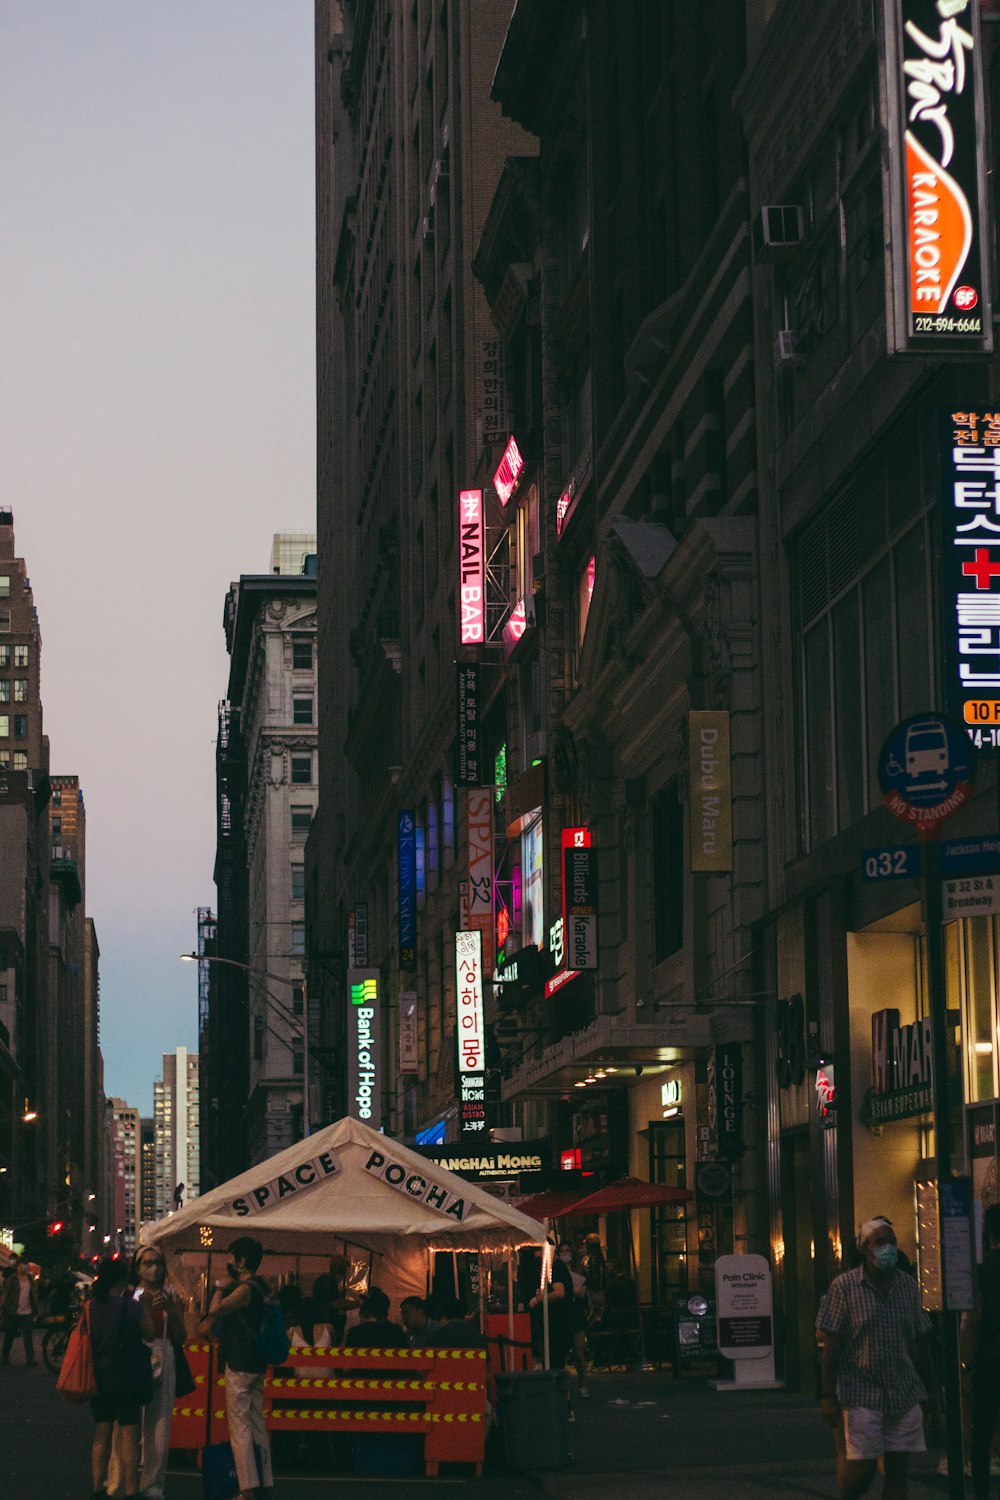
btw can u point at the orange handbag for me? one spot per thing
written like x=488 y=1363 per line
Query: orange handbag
x=77 y=1381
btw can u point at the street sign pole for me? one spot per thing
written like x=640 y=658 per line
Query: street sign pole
x=938 y=997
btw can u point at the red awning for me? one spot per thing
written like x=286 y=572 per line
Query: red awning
x=629 y=1192
x=555 y=1204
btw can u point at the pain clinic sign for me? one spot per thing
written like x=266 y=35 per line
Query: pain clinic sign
x=363 y=1081
x=937 y=177
x=471 y=1032
x=471 y=568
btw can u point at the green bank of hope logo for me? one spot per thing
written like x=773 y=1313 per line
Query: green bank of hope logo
x=365 y=992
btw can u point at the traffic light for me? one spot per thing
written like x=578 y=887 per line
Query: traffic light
x=55 y=1228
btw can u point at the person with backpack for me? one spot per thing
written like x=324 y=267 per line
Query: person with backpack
x=122 y=1368
x=238 y=1319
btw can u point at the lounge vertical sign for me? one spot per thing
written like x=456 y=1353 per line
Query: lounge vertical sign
x=711 y=791
x=937 y=177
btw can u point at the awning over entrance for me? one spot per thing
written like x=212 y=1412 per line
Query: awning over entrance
x=627 y=1192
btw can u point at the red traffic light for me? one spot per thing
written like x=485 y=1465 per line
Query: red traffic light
x=56 y=1227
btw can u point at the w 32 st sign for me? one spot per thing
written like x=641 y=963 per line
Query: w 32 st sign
x=797 y=1042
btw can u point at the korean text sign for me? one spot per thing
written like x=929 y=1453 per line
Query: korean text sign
x=970 y=560
x=471 y=1032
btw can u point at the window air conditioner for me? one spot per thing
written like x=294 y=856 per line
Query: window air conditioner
x=777 y=230
x=427 y=227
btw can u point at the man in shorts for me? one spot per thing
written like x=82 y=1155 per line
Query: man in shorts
x=877 y=1377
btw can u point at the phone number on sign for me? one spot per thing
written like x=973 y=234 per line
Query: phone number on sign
x=942 y=324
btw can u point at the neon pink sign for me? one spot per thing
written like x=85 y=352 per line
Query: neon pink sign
x=509 y=472
x=472 y=560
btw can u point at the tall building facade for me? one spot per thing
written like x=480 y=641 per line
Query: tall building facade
x=177 y=1131
x=50 y=1110
x=631 y=460
x=409 y=151
x=267 y=770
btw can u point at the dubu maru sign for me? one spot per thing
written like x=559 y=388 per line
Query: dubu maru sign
x=940 y=298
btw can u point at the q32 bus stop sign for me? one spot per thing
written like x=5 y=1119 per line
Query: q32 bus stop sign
x=926 y=770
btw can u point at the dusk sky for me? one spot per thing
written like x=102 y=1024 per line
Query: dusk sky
x=156 y=424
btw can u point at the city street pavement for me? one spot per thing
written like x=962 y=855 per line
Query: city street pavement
x=637 y=1437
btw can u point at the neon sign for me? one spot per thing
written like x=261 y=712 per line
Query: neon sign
x=472 y=567
x=363 y=1045
x=508 y=472
x=471 y=1032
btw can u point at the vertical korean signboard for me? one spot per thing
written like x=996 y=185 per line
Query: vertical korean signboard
x=408 y=1037
x=472 y=568
x=364 y=1086
x=471 y=1033
x=468 y=768
x=479 y=915
x=970 y=560
x=407 y=860
x=933 y=71
x=579 y=898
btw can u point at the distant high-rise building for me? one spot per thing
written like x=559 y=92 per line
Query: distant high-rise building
x=127 y=1169
x=147 y=1166
x=177 y=1131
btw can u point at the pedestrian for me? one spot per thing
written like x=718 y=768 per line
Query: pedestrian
x=877 y=1379
x=235 y=1316
x=983 y=1335
x=118 y=1327
x=416 y=1320
x=560 y=1305
x=18 y=1311
x=373 y=1329
x=150 y=1285
x=454 y=1330
x=578 y=1319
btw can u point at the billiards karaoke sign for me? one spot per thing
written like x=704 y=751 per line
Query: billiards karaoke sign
x=937 y=177
x=926 y=770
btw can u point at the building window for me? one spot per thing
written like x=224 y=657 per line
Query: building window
x=3 y=992
x=302 y=771
x=298 y=882
x=258 y=1038
x=4 y=587
x=20 y=761
x=20 y=726
x=865 y=655
x=5 y=621
x=20 y=655
x=298 y=1000
x=667 y=832
x=4 y=758
x=4 y=690
x=301 y=818
x=5 y=655
x=56 y=830
x=298 y=939
x=4 y=726
x=20 y=690
x=298 y=1060
x=302 y=655
x=302 y=710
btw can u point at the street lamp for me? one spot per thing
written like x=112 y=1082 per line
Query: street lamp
x=234 y=963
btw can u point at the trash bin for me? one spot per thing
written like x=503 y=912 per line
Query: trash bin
x=534 y=1418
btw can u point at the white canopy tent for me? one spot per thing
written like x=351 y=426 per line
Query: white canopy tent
x=345 y=1190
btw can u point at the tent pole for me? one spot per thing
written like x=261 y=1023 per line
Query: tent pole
x=635 y=1282
x=510 y=1311
x=454 y=1273
x=545 y=1320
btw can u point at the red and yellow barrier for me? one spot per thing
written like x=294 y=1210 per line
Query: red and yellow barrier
x=437 y=1393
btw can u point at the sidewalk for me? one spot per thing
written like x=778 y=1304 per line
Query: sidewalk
x=636 y=1437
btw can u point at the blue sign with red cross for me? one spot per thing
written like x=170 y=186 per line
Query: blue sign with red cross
x=926 y=770
x=970 y=565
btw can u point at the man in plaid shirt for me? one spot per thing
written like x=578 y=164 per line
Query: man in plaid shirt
x=877 y=1376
